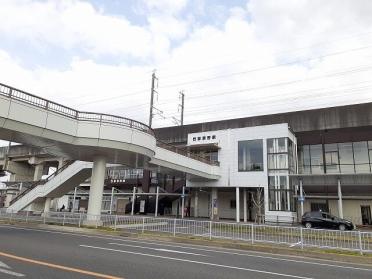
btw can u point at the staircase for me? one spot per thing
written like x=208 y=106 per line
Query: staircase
x=71 y=175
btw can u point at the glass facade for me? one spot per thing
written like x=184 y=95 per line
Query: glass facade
x=346 y=157
x=281 y=160
x=250 y=155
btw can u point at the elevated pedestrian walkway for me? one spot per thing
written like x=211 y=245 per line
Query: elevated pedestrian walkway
x=83 y=137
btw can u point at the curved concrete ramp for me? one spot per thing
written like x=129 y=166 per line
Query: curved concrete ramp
x=62 y=131
x=84 y=136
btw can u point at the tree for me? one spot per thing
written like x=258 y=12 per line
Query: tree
x=258 y=201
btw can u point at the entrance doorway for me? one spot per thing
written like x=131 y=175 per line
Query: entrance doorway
x=366 y=214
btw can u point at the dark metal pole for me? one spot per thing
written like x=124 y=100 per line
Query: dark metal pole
x=152 y=98
x=182 y=106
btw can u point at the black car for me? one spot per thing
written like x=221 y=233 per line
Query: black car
x=319 y=219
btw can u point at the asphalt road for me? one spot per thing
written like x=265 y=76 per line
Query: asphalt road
x=38 y=253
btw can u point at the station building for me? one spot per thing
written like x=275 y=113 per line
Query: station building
x=299 y=161
x=272 y=168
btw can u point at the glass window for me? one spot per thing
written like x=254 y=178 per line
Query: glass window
x=250 y=155
x=281 y=145
x=203 y=137
x=346 y=157
x=316 y=159
x=213 y=137
x=193 y=139
x=208 y=137
x=346 y=153
x=330 y=147
x=360 y=152
x=282 y=162
x=271 y=161
x=305 y=155
x=361 y=157
x=270 y=146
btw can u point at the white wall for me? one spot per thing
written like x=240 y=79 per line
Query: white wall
x=228 y=140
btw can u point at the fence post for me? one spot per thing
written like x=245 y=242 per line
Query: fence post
x=44 y=218
x=27 y=212
x=174 y=227
x=11 y=215
x=210 y=230
x=360 y=242
x=116 y=222
x=64 y=216
x=252 y=233
x=302 y=238
x=143 y=224
x=79 y=219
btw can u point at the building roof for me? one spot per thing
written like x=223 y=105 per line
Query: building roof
x=322 y=119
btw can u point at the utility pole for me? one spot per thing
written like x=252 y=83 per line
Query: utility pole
x=153 y=92
x=181 y=108
x=152 y=97
x=182 y=105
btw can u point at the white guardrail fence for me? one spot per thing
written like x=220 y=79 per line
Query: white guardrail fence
x=253 y=233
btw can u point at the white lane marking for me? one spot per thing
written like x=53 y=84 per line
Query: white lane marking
x=4 y=265
x=9 y=272
x=195 y=247
x=158 y=249
x=253 y=256
x=197 y=262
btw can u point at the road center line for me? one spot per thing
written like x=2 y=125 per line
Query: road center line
x=157 y=249
x=197 y=262
x=56 y=266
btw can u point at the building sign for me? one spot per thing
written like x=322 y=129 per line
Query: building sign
x=142 y=206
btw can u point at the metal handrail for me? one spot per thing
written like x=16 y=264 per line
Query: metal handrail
x=41 y=181
x=19 y=95
x=31 y=99
x=183 y=151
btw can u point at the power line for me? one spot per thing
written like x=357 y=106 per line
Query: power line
x=275 y=53
x=264 y=68
x=312 y=93
x=352 y=70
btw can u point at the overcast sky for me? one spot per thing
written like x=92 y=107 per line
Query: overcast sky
x=232 y=58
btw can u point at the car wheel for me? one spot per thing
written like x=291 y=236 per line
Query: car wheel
x=341 y=227
x=308 y=225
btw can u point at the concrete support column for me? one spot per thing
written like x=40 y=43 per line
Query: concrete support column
x=96 y=187
x=133 y=200
x=60 y=162
x=301 y=198
x=340 y=206
x=237 y=204
x=38 y=173
x=214 y=204
x=47 y=205
x=157 y=201
x=245 y=205
x=196 y=203
x=73 y=201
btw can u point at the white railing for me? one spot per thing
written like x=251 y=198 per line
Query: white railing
x=253 y=233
